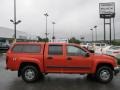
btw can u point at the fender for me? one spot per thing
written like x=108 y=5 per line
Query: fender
x=32 y=60
x=99 y=61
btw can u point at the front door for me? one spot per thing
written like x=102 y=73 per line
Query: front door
x=76 y=61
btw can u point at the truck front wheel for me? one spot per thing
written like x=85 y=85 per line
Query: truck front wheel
x=104 y=74
x=30 y=74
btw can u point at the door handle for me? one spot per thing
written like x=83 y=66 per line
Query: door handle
x=69 y=58
x=50 y=58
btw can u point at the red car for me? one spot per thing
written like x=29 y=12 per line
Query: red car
x=33 y=60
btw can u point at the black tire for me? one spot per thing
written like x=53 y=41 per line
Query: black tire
x=30 y=74
x=41 y=76
x=104 y=74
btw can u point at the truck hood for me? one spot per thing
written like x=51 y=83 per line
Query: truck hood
x=103 y=57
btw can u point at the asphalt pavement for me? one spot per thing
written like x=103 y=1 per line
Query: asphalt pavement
x=10 y=81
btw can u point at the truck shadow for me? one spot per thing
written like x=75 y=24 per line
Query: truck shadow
x=62 y=82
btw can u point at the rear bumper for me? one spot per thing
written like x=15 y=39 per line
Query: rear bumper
x=116 y=70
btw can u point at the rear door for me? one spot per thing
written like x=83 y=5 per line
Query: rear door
x=53 y=58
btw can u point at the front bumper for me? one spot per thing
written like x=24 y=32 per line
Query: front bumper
x=116 y=70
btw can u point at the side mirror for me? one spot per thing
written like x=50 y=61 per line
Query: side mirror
x=87 y=55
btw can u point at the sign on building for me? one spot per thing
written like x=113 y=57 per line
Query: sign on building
x=107 y=10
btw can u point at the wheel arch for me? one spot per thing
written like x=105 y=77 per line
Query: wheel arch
x=104 y=64
x=23 y=64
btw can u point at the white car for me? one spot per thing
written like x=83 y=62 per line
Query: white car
x=114 y=51
x=98 y=47
x=104 y=49
x=86 y=45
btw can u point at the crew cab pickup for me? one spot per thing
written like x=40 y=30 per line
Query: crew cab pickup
x=33 y=60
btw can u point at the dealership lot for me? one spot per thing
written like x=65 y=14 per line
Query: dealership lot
x=10 y=81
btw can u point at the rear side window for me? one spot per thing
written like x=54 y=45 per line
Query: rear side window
x=26 y=49
x=17 y=48
x=55 y=50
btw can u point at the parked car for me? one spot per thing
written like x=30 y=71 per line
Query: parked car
x=4 y=47
x=98 y=47
x=86 y=45
x=32 y=60
x=114 y=51
x=104 y=49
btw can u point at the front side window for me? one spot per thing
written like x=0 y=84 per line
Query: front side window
x=75 y=51
x=26 y=48
x=55 y=50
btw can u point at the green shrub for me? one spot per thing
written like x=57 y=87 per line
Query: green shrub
x=116 y=43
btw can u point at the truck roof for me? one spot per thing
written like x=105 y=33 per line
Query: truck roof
x=29 y=43
x=63 y=43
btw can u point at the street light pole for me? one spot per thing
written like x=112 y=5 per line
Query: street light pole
x=96 y=32
x=15 y=22
x=46 y=33
x=15 y=19
x=92 y=34
x=114 y=27
x=53 y=38
x=110 y=32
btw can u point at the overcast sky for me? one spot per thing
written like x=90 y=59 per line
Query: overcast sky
x=72 y=17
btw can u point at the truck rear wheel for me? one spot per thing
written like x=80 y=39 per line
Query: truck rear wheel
x=30 y=74
x=104 y=74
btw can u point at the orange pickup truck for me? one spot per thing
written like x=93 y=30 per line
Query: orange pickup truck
x=33 y=60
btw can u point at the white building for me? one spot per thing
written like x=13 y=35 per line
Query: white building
x=61 y=40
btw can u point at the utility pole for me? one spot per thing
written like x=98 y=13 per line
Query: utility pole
x=53 y=37
x=15 y=17
x=110 y=31
x=92 y=34
x=114 y=27
x=104 y=32
x=46 y=33
x=96 y=32
x=15 y=22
